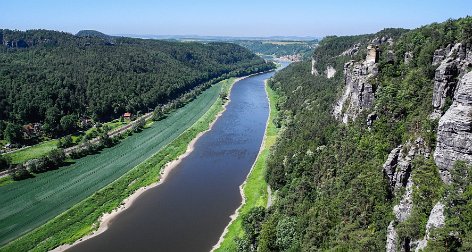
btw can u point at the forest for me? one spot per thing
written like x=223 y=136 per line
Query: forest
x=279 y=48
x=331 y=191
x=57 y=79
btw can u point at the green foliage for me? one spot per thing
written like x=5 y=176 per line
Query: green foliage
x=5 y=162
x=456 y=235
x=427 y=191
x=55 y=74
x=252 y=225
x=13 y=133
x=35 y=151
x=279 y=48
x=65 y=142
x=329 y=175
x=69 y=123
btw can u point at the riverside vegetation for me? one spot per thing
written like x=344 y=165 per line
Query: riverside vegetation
x=333 y=192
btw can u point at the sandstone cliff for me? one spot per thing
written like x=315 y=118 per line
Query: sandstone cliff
x=358 y=93
x=454 y=137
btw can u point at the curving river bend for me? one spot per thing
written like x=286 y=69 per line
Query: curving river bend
x=190 y=210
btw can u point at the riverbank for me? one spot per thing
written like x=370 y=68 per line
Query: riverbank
x=81 y=219
x=210 y=117
x=254 y=190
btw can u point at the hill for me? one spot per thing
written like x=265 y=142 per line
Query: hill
x=375 y=150
x=94 y=34
x=46 y=76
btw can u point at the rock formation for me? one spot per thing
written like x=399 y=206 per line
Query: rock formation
x=351 y=51
x=397 y=169
x=454 y=136
x=453 y=63
x=436 y=219
x=314 y=72
x=408 y=57
x=358 y=91
x=330 y=72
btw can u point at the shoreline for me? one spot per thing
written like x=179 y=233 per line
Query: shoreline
x=107 y=218
x=235 y=215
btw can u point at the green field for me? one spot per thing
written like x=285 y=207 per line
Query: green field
x=35 y=151
x=30 y=203
x=255 y=187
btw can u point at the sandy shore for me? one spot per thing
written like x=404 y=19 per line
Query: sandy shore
x=107 y=218
x=241 y=187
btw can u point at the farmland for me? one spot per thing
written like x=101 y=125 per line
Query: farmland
x=28 y=204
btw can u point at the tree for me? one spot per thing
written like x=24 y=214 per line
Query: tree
x=252 y=224
x=69 y=123
x=56 y=158
x=65 y=142
x=5 y=162
x=52 y=120
x=158 y=113
x=20 y=173
x=13 y=133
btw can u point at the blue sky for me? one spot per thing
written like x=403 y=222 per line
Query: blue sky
x=228 y=17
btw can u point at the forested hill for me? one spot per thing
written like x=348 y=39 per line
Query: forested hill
x=375 y=151
x=46 y=75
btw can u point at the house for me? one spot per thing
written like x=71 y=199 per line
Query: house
x=127 y=115
x=32 y=129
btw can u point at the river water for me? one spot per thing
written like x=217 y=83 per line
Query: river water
x=190 y=210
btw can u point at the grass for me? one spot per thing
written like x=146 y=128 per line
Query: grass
x=255 y=187
x=6 y=180
x=30 y=203
x=35 y=151
x=227 y=84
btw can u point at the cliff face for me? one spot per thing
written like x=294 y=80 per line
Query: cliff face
x=453 y=62
x=358 y=90
x=398 y=170
x=359 y=80
x=454 y=137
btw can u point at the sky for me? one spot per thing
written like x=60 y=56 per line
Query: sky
x=228 y=17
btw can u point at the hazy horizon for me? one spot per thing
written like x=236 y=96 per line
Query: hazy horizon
x=228 y=19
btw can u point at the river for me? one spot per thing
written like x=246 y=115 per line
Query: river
x=190 y=210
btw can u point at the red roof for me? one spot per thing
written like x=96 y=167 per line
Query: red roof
x=127 y=114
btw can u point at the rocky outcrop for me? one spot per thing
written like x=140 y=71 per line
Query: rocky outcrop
x=397 y=169
x=408 y=57
x=454 y=136
x=16 y=43
x=314 y=72
x=372 y=54
x=352 y=51
x=453 y=63
x=358 y=92
x=392 y=237
x=330 y=72
x=436 y=220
